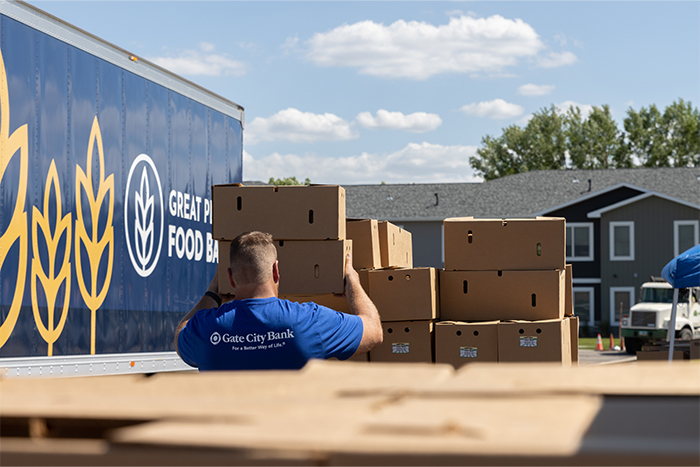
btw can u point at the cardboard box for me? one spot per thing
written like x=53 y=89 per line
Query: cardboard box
x=535 y=341
x=405 y=341
x=364 y=280
x=287 y=212
x=312 y=267
x=501 y=295
x=336 y=302
x=459 y=343
x=569 y=292
x=405 y=294
x=364 y=234
x=647 y=355
x=333 y=301
x=222 y=267
x=360 y=357
x=574 y=327
x=396 y=246
x=306 y=267
x=473 y=244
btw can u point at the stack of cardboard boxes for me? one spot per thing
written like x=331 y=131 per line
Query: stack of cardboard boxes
x=306 y=223
x=406 y=298
x=382 y=252
x=505 y=293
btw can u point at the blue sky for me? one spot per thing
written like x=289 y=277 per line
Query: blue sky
x=403 y=92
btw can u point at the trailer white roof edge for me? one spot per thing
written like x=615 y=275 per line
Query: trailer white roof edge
x=66 y=366
x=83 y=40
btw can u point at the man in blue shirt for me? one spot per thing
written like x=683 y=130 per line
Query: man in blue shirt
x=258 y=331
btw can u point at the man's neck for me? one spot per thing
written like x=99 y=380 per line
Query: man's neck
x=256 y=291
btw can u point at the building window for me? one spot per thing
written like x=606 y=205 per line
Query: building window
x=583 y=305
x=579 y=241
x=622 y=241
x=685 y=236
x=621 y=299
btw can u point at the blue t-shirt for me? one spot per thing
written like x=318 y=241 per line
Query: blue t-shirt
x=267 y=333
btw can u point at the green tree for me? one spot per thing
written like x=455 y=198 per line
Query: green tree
x=646 y=136
x=682 y=127
x=546 y=141
x=287 y=181
x=596 y=142
x=671 y=139
x=538 y=146
x=501 y=156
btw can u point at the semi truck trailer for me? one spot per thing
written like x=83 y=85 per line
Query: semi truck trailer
x=106 y=164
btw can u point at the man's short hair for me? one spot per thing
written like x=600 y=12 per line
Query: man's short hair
x=251 y=257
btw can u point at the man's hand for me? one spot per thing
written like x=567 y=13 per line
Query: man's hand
x=351 y=276
x=214 y=287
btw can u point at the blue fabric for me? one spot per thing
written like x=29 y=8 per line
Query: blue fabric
x=683 y=270
x=267 y=333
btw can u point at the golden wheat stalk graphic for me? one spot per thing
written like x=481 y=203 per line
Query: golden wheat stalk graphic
x=95 y=245
x=51 y=283
x=10 y=145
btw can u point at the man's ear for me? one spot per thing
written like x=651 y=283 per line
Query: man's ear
x=276 y=272
x=230 y=278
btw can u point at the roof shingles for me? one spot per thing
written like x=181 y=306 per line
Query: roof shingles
x=517 y=195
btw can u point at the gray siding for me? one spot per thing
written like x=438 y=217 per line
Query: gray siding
x=653 y=244
x=427 y=243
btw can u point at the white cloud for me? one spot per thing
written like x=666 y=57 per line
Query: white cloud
x=560 y=39
x=415 y=163
x=535 y=89
x=419 y=50
x=557 y=59
x=496 y=109
x=297 y=126
x=290 y=44
x=201 y=62
x=207 y=46
x=586 y=109
x=418 y=122
x=461 y=13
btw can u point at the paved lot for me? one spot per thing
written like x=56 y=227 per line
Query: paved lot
x=605 y=357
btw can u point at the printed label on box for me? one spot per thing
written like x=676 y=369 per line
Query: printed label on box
x=467 y=352
x=527 y=341
x=399 y=347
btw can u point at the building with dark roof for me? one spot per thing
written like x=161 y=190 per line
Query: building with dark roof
x=623 y=225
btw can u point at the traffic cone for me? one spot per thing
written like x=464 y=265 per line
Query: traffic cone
x=612 y=342
x=599 y=345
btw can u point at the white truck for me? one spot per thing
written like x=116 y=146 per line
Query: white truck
x=648 y=320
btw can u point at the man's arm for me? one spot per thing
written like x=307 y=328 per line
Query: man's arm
x=361 y=305
x=204 y=303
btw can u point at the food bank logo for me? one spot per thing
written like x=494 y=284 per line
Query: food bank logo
x=143 y=199
x=215 y=338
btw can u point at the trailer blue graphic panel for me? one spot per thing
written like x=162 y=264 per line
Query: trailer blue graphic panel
x=105 y=203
